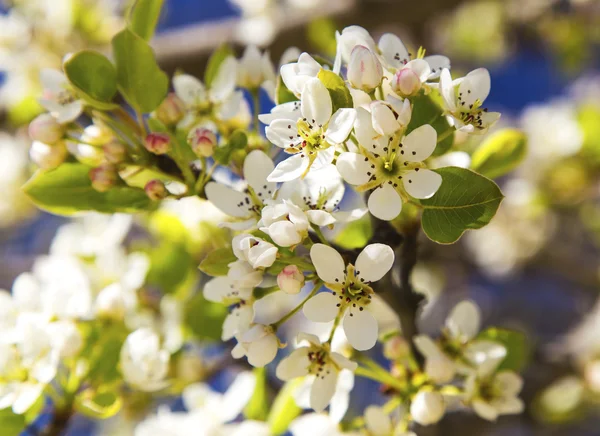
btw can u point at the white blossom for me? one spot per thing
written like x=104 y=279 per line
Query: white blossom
x=364 y=69
x=259 y=344
x=495 y=394
x=427 y=407
x=255 y=70
x=58 y=97
x=257 y=252
x=285 y=223
x=144 y=363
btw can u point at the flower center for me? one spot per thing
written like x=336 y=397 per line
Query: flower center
x=355 y=293
x=313 y=137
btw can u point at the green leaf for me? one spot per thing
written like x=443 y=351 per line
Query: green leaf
x=143 y=84
x=68 y=189
x=340 y=95
x=321 y=34
x=517 y=347
x=237 y=141
x=204 y=318
x=156 y=126
x=284 y=409
x=427 y=111
x=355 y=234
x=98 y=405
x=94 y=77
x=104 y=352
x=500 y=153
x=216 y=262
x=144 y=16
x=170 y=265
x=466 y=200
x=214 y=63
x=282 y=93
x=258 y=406
x=11 y=423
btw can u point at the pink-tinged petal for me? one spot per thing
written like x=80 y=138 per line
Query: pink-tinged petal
x=321 y=308
x=385 y=203
x=329 y=264
x=354 y=168
x=475 y=86
x=323 y=388
x=290 y=169
x=340 y=126
x=228 y=200
x=420 y=67
x=361 y=329
x=419 y=144
x=374 y=262
x=316 y=104
x=421 y=184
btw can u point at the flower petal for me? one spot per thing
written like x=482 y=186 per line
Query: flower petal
x=323 y=388
x=343 y=361
x=374 y=262
x=283 y=133
x=285 y=111
x=354 y=168
x=475 y=86
x=509 y=383
x=378 y=422
x=422 y=183
x=393 y=50
x=321 y=308
x=237 y=396
x=419 y=144
x=437 y=63
x=295 y=365
x=329 y=264
x=224 y=82
x=216 y=289
x=316 y=104
x=340 y=125
x=464 y=321
x=385 y=203
x=263 y=351
x=284 y=233
x=420 y=67
x=290 y=169
x=228 y=200
x=189 y=89
x=361 y=329
x=384 y=120
x=321 y=218
x=484 y=410
x=257 y=167
x=447 y=90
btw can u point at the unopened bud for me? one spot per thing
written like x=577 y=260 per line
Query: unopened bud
x=171 y=110
x=290 y=280
x=104 y=177
x=115 y=152
x=156 y=190
x=47 y=156
x=427 y=407
x=157 y=143
x=395 y=348
x=203 y=141
x=364 y=69
x=406 y=82
x=46 y=129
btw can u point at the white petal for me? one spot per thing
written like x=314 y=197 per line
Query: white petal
x=329 y=264
x=437 y=63
x=422 y=183
x=321 y=308
x=257 y=167
x=384 y=120
x=224 y=82
x=419 y=144
x=464 y=321
x=53 y=80
x=343 y=361
x=354 y=168
x=509 y=383
x=215 y=290
x=484 y=410
x=486 y=356
x=385 y=203
x=378 y=422
x=295 y=365
x=447 y=90
x=323 y=388
x=263 y=351
x=285 y=111
x=283 y=133
x=228 y=200
x=393 y=50
x=374 y=262
x=27 y=395
x=320 y=217
x=338 y=406
x=340 y=125
x=360 y=329
x=475 y=86
x=237 y=395
x=508 y=405
x=420 y=67
x=189 y=89
x=284 y=233
x=310 y=338
x=364 y=128
x=69 y=112
x=290 y=169
x=316 y=102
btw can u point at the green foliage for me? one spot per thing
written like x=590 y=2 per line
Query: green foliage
x=500 y=153
x=340 y=95
x=214 y=63
x=517 y=347
x=237 y=141
x=258 y=406
x=143 y=84
x=216 y=262
x=284 y=409
x=466 y=200
x=321 y=34
x=282 y=93
x=100 y=404
x=171 y=264
x=11 y=423
x=427 y=111
x=204 y=318
x=67 y=190
x=143 y=17
x=94 y=77
x=355 y=234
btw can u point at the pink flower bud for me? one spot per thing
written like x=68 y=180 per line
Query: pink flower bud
x=406 y=82
x=46 y=129
x=156 y=190
x=364 y=69
x=115 y=152
x=104 y=177
x=203 y=141
x=290 y=280
x=47 y=156
x=171 y=110
x=157 y=143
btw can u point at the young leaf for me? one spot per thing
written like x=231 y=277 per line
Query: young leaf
x=143 y=84
x=258 y=406
x=282 y=93
x=171 y=264
x=465 y=201
x=427 y=111
x=500 y=153
x=68 y=189
x=216 y=262
x=11 y=423
x=204 y=319
x=340 y=95
x=143 y=17
x=284 y=409
x=93 y=76
x=214 y=63
x=355 y=234
x=517 y=347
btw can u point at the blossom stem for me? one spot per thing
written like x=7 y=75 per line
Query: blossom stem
x=319 y=234
x=295 y=310
x=333 y=327
x=387 y=379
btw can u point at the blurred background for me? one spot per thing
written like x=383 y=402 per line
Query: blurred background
x=535 y=268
